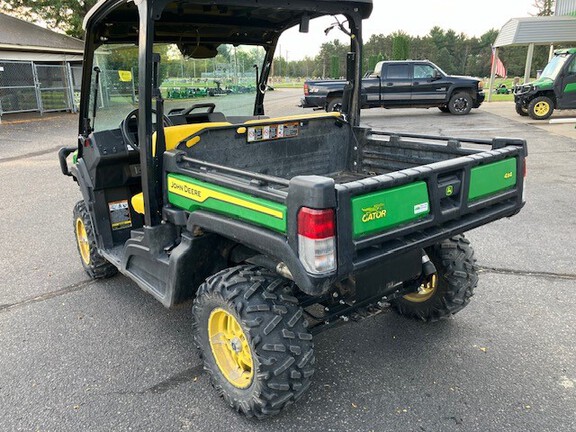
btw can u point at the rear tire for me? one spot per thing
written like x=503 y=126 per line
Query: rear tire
x=94 y=264
x=541 y=108
x=460 y=103
x=276 y=353
x=456 y=279
x=334 y=105
x=520 y=110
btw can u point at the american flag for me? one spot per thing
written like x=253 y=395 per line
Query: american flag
x=500 y=70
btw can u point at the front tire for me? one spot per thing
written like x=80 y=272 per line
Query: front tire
x=449 y=290
x=520 y=110
x=253 y=340
x=94 y=264
x=460 y=103
x=541 y=108
x=444 y=109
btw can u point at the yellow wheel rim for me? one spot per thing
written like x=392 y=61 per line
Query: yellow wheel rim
x=542 y=108
x=230 y=348
x=83 y=242
x=425 y=291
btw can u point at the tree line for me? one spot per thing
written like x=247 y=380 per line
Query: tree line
x=454 y=53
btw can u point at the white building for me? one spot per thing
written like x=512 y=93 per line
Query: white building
x=39 y=68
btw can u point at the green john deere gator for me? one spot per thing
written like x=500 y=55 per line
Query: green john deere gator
x=554 y=89
x=277 y=226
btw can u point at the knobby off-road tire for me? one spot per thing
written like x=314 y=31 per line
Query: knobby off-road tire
x=94 y=264
x=269 y=324
x=541 y=108
x=460 y=103
x=456 y=279
x=520 y=110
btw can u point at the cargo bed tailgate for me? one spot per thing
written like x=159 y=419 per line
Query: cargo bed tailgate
x=417 y=207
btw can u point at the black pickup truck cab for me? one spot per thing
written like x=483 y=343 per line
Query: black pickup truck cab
x=402 y=84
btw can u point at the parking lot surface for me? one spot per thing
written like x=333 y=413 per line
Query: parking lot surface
x=90 y=355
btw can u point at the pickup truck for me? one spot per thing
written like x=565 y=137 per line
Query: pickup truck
x=401 y=84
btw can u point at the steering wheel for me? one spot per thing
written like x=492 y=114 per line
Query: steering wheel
x=130 y=134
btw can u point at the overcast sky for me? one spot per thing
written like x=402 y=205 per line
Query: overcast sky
x=415 y=17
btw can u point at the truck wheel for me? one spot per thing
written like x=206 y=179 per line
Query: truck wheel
x=541 y=108
x=449 y=290
x=520 y=110
x=460 y=103
x=334 y=105
x=444 y=109
x=94 y=264
x=253 y=340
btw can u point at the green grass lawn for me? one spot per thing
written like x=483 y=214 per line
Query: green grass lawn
x=501 y=98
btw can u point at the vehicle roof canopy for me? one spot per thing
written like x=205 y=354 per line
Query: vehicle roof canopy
x=209 y=23
x=565 y=51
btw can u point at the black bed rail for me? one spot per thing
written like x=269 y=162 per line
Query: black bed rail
x=433 y=137
x=257 y=184
x=248 y=174
x=456 y=142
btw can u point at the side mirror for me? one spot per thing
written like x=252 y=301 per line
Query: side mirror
x=437 y=75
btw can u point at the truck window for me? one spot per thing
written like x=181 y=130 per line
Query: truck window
x=424 y=72
x=400 y=71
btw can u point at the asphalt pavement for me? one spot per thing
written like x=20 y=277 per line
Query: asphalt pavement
x=77 y=354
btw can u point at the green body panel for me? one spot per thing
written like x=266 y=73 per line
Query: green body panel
x=570 y=88
x=191 y=194
x=492 y=178
x=385 y=209
x=543 y=84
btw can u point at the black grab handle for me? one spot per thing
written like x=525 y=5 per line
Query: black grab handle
x=63 y=153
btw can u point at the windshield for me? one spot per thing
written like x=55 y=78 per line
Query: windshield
x=228 y=80
x=553 y=68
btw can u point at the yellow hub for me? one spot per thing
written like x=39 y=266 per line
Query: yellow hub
x=230 y=348
x=541 y=108
x=425 y=291
x=83 y=242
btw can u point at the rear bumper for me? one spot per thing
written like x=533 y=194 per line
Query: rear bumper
x=312 y=102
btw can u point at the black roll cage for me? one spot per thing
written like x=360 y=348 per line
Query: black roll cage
x=147 y=21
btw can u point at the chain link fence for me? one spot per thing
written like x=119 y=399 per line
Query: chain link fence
x=54 y=87
x=18 y=90
x=26 y=86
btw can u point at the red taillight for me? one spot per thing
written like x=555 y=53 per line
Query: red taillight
x=316 y=224
x=317 y=240
x=306 y=90
x=525 y=168
x=524 y=182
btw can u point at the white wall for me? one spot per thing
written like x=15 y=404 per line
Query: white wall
x=565 y=7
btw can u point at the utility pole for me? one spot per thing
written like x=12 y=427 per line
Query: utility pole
x=280 y=62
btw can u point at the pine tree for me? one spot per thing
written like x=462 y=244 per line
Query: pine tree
x=545 y=7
